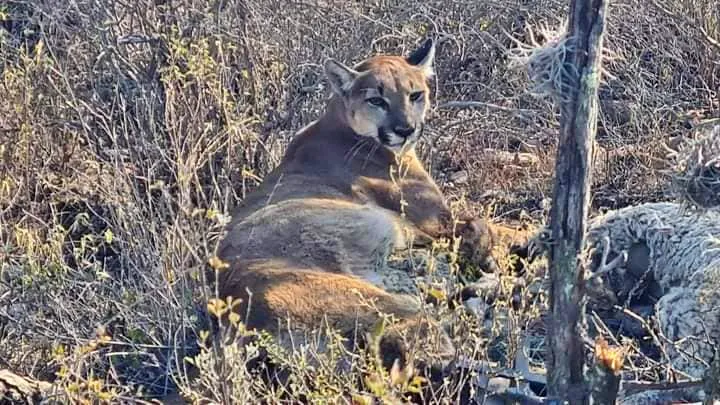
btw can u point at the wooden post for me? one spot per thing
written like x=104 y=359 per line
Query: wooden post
x=578 y=122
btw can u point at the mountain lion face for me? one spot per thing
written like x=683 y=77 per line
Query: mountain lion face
x=385 y=98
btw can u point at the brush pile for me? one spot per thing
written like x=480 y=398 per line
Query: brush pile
x=696 y=176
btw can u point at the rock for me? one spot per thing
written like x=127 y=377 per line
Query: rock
x=460 y=177
x=520 y=159
x=20 y=389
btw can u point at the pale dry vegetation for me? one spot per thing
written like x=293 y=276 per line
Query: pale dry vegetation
x=129 y=129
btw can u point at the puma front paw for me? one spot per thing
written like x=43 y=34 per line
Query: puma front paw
x=477 y=242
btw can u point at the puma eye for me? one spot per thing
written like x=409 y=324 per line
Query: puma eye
x=377 y=102
x=416 y=96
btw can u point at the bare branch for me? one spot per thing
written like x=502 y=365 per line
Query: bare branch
x=708 y=38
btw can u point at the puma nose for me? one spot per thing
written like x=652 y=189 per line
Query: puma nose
x=404 y=131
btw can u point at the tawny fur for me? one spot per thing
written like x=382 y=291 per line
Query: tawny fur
x=307 y=243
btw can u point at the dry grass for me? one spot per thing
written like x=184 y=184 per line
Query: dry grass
x=129 y=128
x=697 y=170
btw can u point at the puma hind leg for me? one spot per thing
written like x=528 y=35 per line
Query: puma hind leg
x=286 y=301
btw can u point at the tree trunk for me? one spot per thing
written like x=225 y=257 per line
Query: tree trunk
x=578 y=122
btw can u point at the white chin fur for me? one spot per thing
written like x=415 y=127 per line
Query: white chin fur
x=399 y=144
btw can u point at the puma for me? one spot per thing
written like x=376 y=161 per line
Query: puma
x=348 y=192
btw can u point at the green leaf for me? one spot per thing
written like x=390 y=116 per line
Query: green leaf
x=108 y=236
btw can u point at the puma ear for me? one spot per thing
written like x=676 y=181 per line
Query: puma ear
x=340 y=76
x=424 y=57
